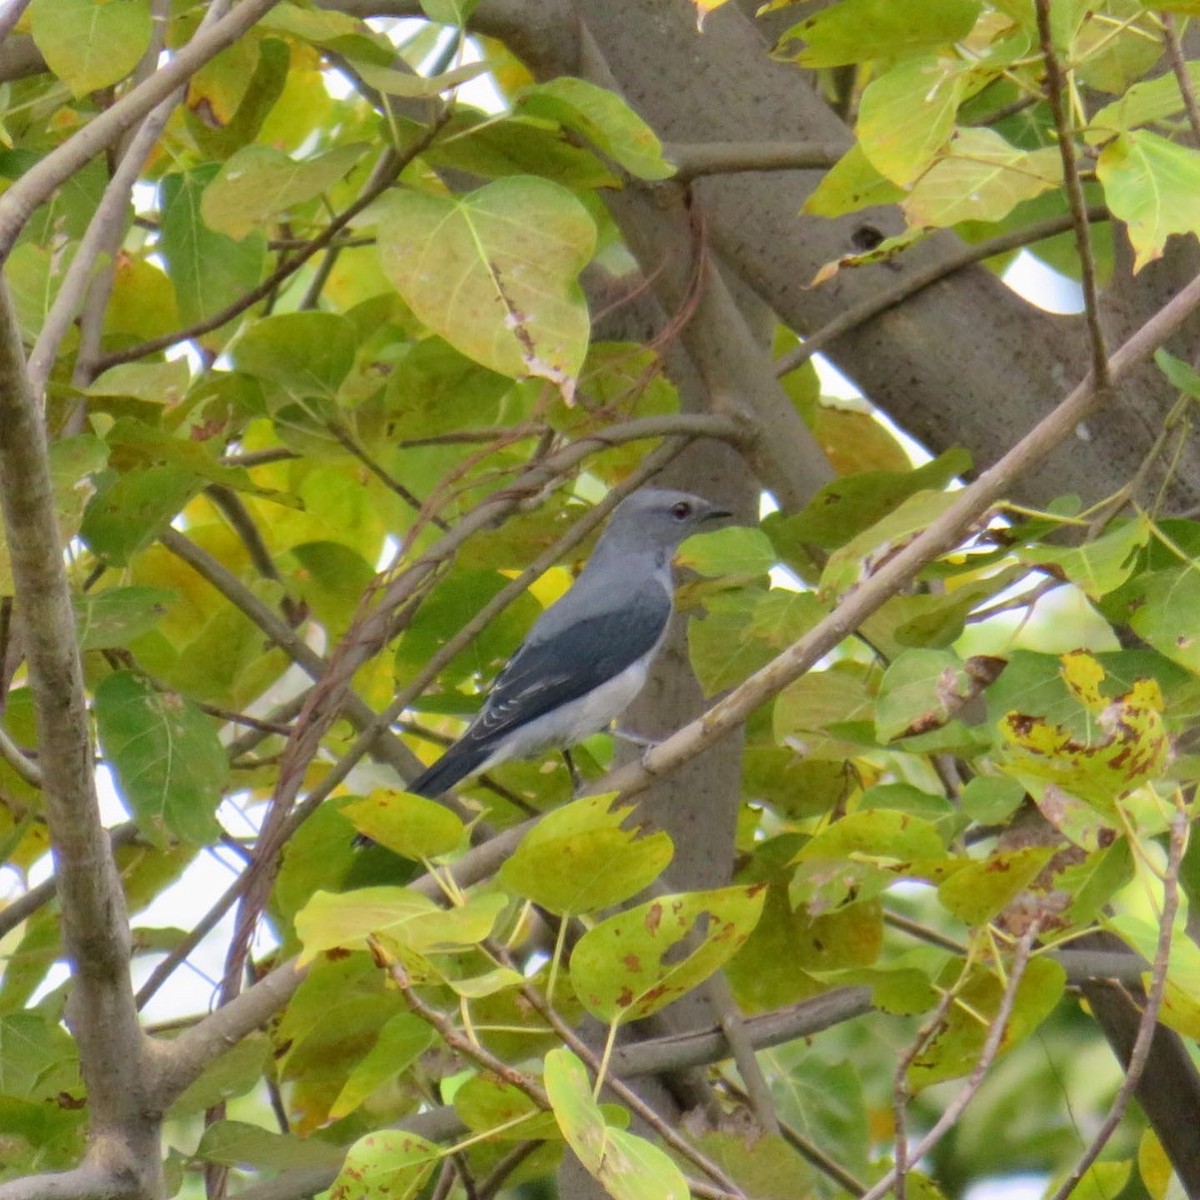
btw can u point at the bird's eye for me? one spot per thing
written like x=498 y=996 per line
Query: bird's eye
x=681 y=511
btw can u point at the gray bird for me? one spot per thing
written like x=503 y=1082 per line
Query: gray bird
x=588 y=655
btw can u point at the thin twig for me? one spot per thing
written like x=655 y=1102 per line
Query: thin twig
x=449 y=1033
x=19 y=760
x=25 y=905
x=991 y=1047
x=624 y=1093
x=1056 y=89
x=353 y=447
x=387 y=170
x=1178 y=61
x=888 y=297
x=733 y=1025
x=1149 y=1017
x=928 y=1031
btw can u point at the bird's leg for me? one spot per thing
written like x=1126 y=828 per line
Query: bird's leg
x=636 y=739
x=577 y=780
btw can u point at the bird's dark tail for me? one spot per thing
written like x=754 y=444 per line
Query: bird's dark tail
x=455 y=765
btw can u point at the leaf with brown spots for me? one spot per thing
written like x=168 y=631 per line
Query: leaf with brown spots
x=388 y=1165
x=1131 y=747
x=641 y=960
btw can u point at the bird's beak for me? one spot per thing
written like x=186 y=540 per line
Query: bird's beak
x=717 y=514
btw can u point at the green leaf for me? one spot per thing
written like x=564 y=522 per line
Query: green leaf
x=170 y=765
x=1102 y=1180
x=233 y=1073
x=230 y=97
x=1092 y=883
x=743 y=630
x=846 y=937
x=240 y=1144
x=641 y=960
x=819 y=700
x=980 y=890
x=981 y=177
x=858 y=559
x=907 y=114
x=1144 y=103
x=402 y=1040
x=485 y=1103
x=260 y=182
x=209 y=270
x=495 y=273
x=847 y=507
x=413 y=86
x=493 y=148
x=1166 y=614
x=129 y=511
x=331 y=921
x=408 y=825
x=38 y=1060
x=387 y=1165
x=89 y=44
x=920 y=690
x=73 y=461
x=766 y=1167
x=626 y=1166
x=735 y=550
x=115 y=616
x=852 y=183
x=156 y=383
x=1101 y=565
x=855 y=31
x=991 y=799
x=1180 y=375
x=603 y=118
x=1153 y=185
x=579 y=859
x=955 y=1048
x=307 y=354
x=859 y=856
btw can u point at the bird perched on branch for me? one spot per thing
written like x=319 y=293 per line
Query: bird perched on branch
x=587 y=656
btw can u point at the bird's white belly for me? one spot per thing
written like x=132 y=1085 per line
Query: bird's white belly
x=575 y=720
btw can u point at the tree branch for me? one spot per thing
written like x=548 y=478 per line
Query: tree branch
x=694 y=159
x=180 y=1062
x=85 y=1182
x=124 y=1134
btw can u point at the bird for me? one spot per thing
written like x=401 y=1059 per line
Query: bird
x=587 y=656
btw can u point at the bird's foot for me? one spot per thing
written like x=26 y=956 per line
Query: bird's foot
x=577 y=780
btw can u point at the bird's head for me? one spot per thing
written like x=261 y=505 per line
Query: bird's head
x=657 y=520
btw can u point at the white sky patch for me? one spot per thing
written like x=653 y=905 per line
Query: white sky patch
x=1040 y=284
x=1015 y=1187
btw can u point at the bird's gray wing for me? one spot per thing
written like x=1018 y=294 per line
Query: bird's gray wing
x=551 y=671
